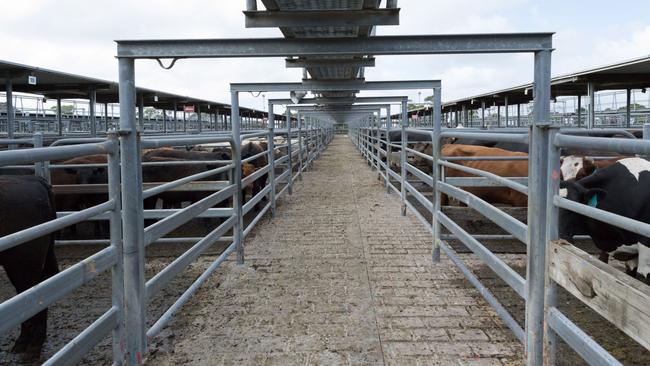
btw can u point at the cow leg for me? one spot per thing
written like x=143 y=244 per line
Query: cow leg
x=33 y=330
x=644 y=263
x=629 y=254
x=604 y=256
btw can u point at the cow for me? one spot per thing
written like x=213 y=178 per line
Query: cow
x=251 y=149
x=503 y=168
x=576 y=167
x=27 y=201
x=621 y=188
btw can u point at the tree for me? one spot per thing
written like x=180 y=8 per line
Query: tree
x=151 y=113
x=633 y=106
x=67 y=109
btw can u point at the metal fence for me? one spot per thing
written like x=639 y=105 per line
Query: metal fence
x=286 y=162
x=622 y=301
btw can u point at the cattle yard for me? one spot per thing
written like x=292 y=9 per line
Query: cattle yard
x=190 y=231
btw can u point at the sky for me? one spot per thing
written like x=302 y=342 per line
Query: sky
x=77 y=36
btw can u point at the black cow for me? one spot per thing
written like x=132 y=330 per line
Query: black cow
x=621 y=188
x=26 y=201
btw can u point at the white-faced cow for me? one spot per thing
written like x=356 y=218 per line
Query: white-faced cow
x=621 y=188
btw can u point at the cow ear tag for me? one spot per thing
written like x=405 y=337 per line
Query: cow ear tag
x=593 y=201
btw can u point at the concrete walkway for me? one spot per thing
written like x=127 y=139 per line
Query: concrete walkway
x=338 y=277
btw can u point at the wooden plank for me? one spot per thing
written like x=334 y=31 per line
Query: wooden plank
x=200 y=186
x=614 y=295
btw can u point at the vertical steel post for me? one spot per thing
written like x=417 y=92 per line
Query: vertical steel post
x=105 y=117
x=92 y=104
x=39 y=166
x=175 y=124
x=251 y=5
x=271 y=156
x=132 y=218
x=405 y=122
x=483 y=114
x=289 y=152
x=164 y=117
x=518 y=114
x=498 y=115
x=388 y=148
x=199 y=121
x=552 y=212
x=141 y=113
x=299 y=146
x=10 y=107
x=238 y=228
x=579 y=113
x=184 y=121
x=117 y=272
x=436 y=172
x=505 y=101
x=591 y=110
x=628 y=108
x=537 y=185
x=59 y=116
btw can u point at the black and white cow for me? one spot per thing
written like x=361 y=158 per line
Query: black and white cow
x=622 y=188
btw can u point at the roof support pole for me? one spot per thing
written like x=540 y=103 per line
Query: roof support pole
x=537 y=206
x=506 y=110
x=10 y=107
x=628 y=109
x=464 y=115
x=106 y=117
x=251 y=5
x=164 y=121
x=184 y=122
x=238 y=228
x=59 y=116
x=132 y=222
x=198 y=115
x=579 y=112
x=591 y=110
x=498 y=115
x=92 y=96
x=483 y=114
x=176 y=115
x=141 y=113
x=518 y=114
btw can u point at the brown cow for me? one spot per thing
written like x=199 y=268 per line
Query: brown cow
x=503 y=168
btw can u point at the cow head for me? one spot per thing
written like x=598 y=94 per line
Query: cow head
x=575 y=167
x=569 y=222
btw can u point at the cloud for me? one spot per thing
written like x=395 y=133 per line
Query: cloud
x=77 y=37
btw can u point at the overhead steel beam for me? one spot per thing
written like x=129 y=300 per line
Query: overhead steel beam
x=378 y=45
x=321 y=18
x=386 y=99
x=354 y=85
x=319 y=62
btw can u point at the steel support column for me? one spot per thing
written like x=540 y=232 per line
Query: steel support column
x=10 y=107
x=537 y=221
x=436 y=172
x=92 y=104
x=289 y=161
x=198 y=115
x=507 y=113
x=238 y=227
x=271 y=156
x=579 y=110
x=591 y=110
x=59 y=116
x=628 y=108
x=132 y=219
x=405 y=123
